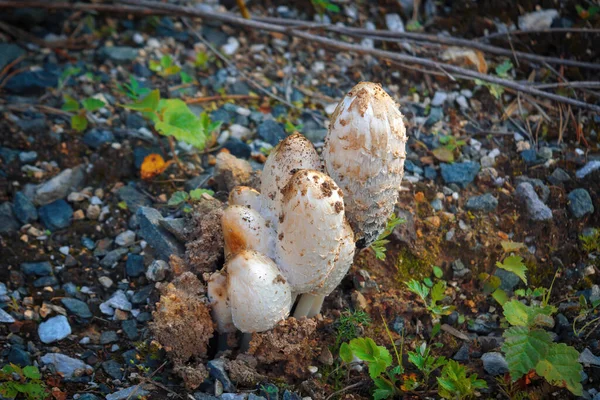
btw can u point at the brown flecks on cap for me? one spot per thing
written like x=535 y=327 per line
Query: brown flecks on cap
x=326 y=188
x=338 y=206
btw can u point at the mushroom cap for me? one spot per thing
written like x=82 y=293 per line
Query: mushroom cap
x=245 y=229
x=293 y=153
x=364 y=153
x=219 y=301
x=310 y=228
x=259 y=295
x=245 y=196
x=343 y=262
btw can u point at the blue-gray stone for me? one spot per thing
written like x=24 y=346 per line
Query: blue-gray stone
x=113 y=257
x=8 y=221
x=95 y=138
x=435 y=115
x=19 y=356
x=56 y=215
x=39 y=268
x=239 y=87
x=108 y=337
x=45 y=281
x=558 y=177
x=412 y=167
x=130 y=328
x=494 y=363
x=135 y=265
x=536 y=209
x=64 y=364
x=580 y=203
x=398 y=325
x=6 y=318
x=135 y=121
x=461 y=173
x=437 y=204
x=54 y=329
x=142 y=295
x=587 y=169
x=222 y=115
x=32 y=82
x=271 y=132
x=27 y=157
x=161 y=240
x=77 y=307
x=24 y=208
x=480 y=325
x=133 y=198
x=486 y=203
x=113 y=369
x=132 y=392
x=530 y=157
x=216 y=369
x=238 y=148
x=287 y=395
x=204 y=396
x=60 y=186
x=462 y=354
x=8 y=53
x=88 y=396
x=88 y=243
x=119 y=54
x=8 y=155
x=508 y=280
x=542 y=190
x=140 y=70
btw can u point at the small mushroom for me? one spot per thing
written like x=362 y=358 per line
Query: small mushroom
x=245 y=196
x=364 y=154
x=245 y=229
x=293 y=153
x=258 y=294
x=220 y=309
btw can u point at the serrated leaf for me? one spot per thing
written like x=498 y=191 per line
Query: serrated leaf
x=437 y=292
x=70 y=103
x=524 y=348
x=519 y=314
x=185 y=77
x=509 y=246
x=500 y=296
x=377 y=357
x=376 y=368
x=148 y=104
x=179 y=121
x=562 y=368
x=515 y=265
x=346 y=353
x=79 y=122
x=32 y=372
x=417 y=288
x=177 y=198
x=92 y=104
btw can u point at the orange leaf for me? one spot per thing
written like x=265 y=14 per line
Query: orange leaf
x=58 y=395
x=153 y=165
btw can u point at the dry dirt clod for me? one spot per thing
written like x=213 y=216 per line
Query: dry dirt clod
x=242 y=370
x=192 y=375
x=204 y=247
x=231 y=171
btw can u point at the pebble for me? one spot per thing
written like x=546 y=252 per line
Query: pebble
x=271 y=132
x=65 y=364
x=231 y=47
x=486 y=203
x=5 y=317
x=133 y=198
x=119 y=54
x=19 y=357
x=494 y=363
x=394 y=23
x=588 y=169
x=541 y=19
x=105 y=281
x=136 y=391
x=580 y=203
x=93 y=212
x=57 y=215
x=77 y=307
x=125 y=239
x=27 y=157
x=59 y=186
x=588 y=358
x=157 y=271
x=461 y=173
x=459 y=269
x=163 y=242
x=216 y=369
x=108 y=337
x=113 y=257
x=41 y=268
x=119 y=301
x=536 y=209
x=113 y=369
x=54 y=329
x=135 y=265
x=558 y=177
x=8 y=221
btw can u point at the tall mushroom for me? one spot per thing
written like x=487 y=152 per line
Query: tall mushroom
x=364 y=154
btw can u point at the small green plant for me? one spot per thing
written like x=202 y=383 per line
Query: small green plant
x=587 y=13
x=165 y=67
x=65 y=75
x=591 y=243
x=23 y=382
x=425 y=362
x=172 y=117
x=134 y=90
x=431 y=294
x=502 y=72
x=448 y=146
x=202 y=60
x=180 y=197
x=79 y=121
x=586 y=309
x=322 y=6
x=455 y=384
x=414 y=26
x=291 y=128
x=348 y=325
x=379 y=246
x=511 y=263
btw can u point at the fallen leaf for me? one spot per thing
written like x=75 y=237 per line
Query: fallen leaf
x=466 y=58
x=419 y=197
x=153 y=165
x=443 y=154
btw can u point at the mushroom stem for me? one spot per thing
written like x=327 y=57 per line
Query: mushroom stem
x=245 y=341
x=316 y=306
x=304 y=305
x=222 y=344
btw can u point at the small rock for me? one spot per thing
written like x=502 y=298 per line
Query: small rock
x=133 y=198
x=95 y=138
x=231 y=47
x=125 y=239
x=439 y=99
x=541 y=19
x=54 y=329
x=176 y=227
x=271 y=132
x=558 y=177
x=231 y=172
x=461 y=173
x=157 y=271
x=459 y=269
x=135 y=265
x=10 y=52
x=588 y=358
x=56 y=215
x=216 y=369
x=130 y=328
x=77 y=307
x=132 y=392
x=494 y=363
x=542 y=190
x=113 y=257
x=8 y=221
x=508 y=280
x=41 y=268
x=157 y=237
x=119 y=54
x=580 y=203
x=108 y=337
x=64 y=364
x=462 y=354
x=105 y=281
x=536 y=209
x=588 y=169
x=6 y=318
x=113 y=369
x=486 y=203
x=93 y=212
x=27 y=157
x=119 y=301
x=19 y=357
x=60 y=186
x=238 y=148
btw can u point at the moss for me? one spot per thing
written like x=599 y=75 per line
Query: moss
x=410 y=266
x=538 y=275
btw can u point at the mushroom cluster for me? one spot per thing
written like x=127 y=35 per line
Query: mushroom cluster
x=296 y=237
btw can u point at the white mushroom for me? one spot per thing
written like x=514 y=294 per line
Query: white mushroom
x=292 y=154
x=245 y=196
x=245 y=229
x=220 y=309
x=364 y=154
x=259 y=295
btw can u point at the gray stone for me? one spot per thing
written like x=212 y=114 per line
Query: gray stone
x=88 y=396
x=119 y=54
x=96 y=138
x=204 y=396
x=64 y=364
x=77 y=307
x=588 y=169
x=135 y=265
x=130 y=328
x=132 y=392
x=113 y=257
x=435 y=115
x=271 y=132
x=27 y=157
x=41 y=268
x=19 y=356
x=158 y=270
x=486 y=203
x=45 y=281
x=8 y=221
x=133 y=198
x=216 y=369
x=482 y=325
x=439 y=98
x=119 y=301
x=6 y=318
x=541 y=19
x=69 y=180
x=494 y=363
x=580 y=203
x=461 y=173
x=176 y=227
x=108 y=337
x=508 y=280
x=588 y=358
x=542 y=190
x=8 y=53
x=113 y=368
x=536 y=209
x=558 y=177
x=125 y=239
x=462 y=354
x=54 y=329
x=24 y=208
x=161 y=240
x=459 y=269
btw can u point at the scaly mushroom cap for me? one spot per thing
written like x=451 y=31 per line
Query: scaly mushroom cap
x=310 y=228
x=364 y=153
x=293 y=153
x=342 y=263
x=245 y=229
x=259 y=295
x=217 y=295
x=245 y=196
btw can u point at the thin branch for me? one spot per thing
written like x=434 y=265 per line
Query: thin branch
x=502 y=35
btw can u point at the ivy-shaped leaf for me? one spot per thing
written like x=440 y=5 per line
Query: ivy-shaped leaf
x=562 y=368
x=524 y=348
x=515 y=265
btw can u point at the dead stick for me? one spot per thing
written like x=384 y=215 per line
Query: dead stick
x=199 y=100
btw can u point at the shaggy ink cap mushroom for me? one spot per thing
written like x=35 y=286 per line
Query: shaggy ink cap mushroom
x=245 y=229
x=364 y=154
x=245 y=196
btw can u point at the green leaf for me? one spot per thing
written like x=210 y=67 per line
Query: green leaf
x=148 y=104
x=416 y=287
x=428 y=282
x=332 y=7
x=500 y=296
x=179 y=121
x=92 y=104
x=444 y=154
x=524 y=348
x=346 y=353
x=437 y=272
x=79 y=122
x=32 y=372
x=70 y=103
x=562 y=368
x=437 y=292
x=519 y=314
x=515 y=265
x=378 y=358
x=196 y=194
x=384 y=389
x=177 y=198
x=502 y=69
x=185 y=77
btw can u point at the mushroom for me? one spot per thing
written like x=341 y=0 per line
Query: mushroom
x=312 y=243
x=245 y=196
x=364 y=154
x=293 y=153
x=220 y=309
x=245 y=229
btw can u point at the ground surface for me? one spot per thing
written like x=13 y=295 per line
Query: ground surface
x=83 y=263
